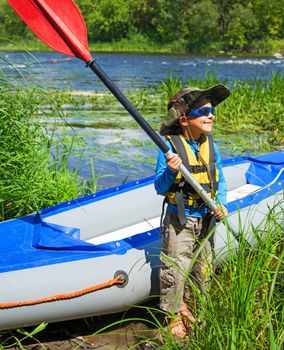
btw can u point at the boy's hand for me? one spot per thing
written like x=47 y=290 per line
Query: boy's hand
x=220 y=212
x=174 y=162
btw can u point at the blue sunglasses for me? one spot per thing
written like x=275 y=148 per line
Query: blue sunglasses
x=201 y=112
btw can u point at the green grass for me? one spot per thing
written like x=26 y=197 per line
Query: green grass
x=140 y=44
x=34 y=169
x=16 y=339
x=20 y=44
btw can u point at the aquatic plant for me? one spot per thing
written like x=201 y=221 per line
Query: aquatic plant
x=255 y=109
x=247 y=123
x=170 y=86
x=252 y=107
x=34 y=171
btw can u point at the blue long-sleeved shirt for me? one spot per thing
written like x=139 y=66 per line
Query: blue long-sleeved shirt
x=165 y=177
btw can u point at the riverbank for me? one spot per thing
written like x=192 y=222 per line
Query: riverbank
x=264 y=48
x=123 y=331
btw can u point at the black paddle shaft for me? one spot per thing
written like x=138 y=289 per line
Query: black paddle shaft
x=128 y=106
x=152 y=134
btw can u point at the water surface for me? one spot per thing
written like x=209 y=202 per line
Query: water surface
x=132 y=71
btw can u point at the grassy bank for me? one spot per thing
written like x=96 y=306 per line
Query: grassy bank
x=140 y=44
x=34 y=170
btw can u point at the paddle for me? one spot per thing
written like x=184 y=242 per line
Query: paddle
x=60 y=25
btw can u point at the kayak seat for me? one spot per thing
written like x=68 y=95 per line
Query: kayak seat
x=242 y=192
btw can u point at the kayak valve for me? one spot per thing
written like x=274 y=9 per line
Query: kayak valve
x=122 y=277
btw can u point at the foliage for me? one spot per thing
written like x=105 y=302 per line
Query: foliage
x=34 y=169
x=202 y=24
x=10 y=24
x=243 y=27
x=270 y=16
x=109 y=19
x=197 y=26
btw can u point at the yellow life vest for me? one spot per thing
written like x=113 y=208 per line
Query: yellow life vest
x=203 y=169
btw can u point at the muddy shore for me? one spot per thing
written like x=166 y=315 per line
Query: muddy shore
x=83 y=334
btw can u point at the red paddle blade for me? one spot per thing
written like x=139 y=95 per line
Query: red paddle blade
x=58 y=23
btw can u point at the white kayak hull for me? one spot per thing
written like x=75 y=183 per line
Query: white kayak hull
x=120 y=227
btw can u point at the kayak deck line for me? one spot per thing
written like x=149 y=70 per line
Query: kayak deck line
x=119 y=280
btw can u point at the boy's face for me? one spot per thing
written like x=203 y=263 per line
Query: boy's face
x=194 y=126
x=204 y=124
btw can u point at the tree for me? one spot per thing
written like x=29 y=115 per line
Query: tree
x=142 y=13
x=170 y=17
x=202 y=24
x=224 y=7
x=270 y=15
x=11 y=24
x=243 y=27
x=106 y=20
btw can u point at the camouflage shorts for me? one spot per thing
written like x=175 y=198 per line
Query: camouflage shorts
x=179 y=269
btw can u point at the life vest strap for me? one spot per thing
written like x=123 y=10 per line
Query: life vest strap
x=188 y=189
x=181 y=192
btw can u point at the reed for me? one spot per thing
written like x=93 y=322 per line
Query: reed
x=252 y=116
x=16 y=339
x=244 y=308
x=256 y=107
x=34 y=170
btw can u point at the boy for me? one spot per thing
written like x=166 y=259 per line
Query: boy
x=187 y=128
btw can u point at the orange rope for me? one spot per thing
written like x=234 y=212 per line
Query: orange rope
x=118 y=280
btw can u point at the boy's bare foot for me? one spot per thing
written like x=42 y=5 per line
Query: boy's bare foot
x=177 y=326
x=187 y=319
x=182 y=323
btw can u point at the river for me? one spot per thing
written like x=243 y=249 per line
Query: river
x=115 y=151
x=132 y=71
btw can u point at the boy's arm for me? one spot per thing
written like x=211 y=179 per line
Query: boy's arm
x=222 y=187
x=221 y=210
x=164 y=175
